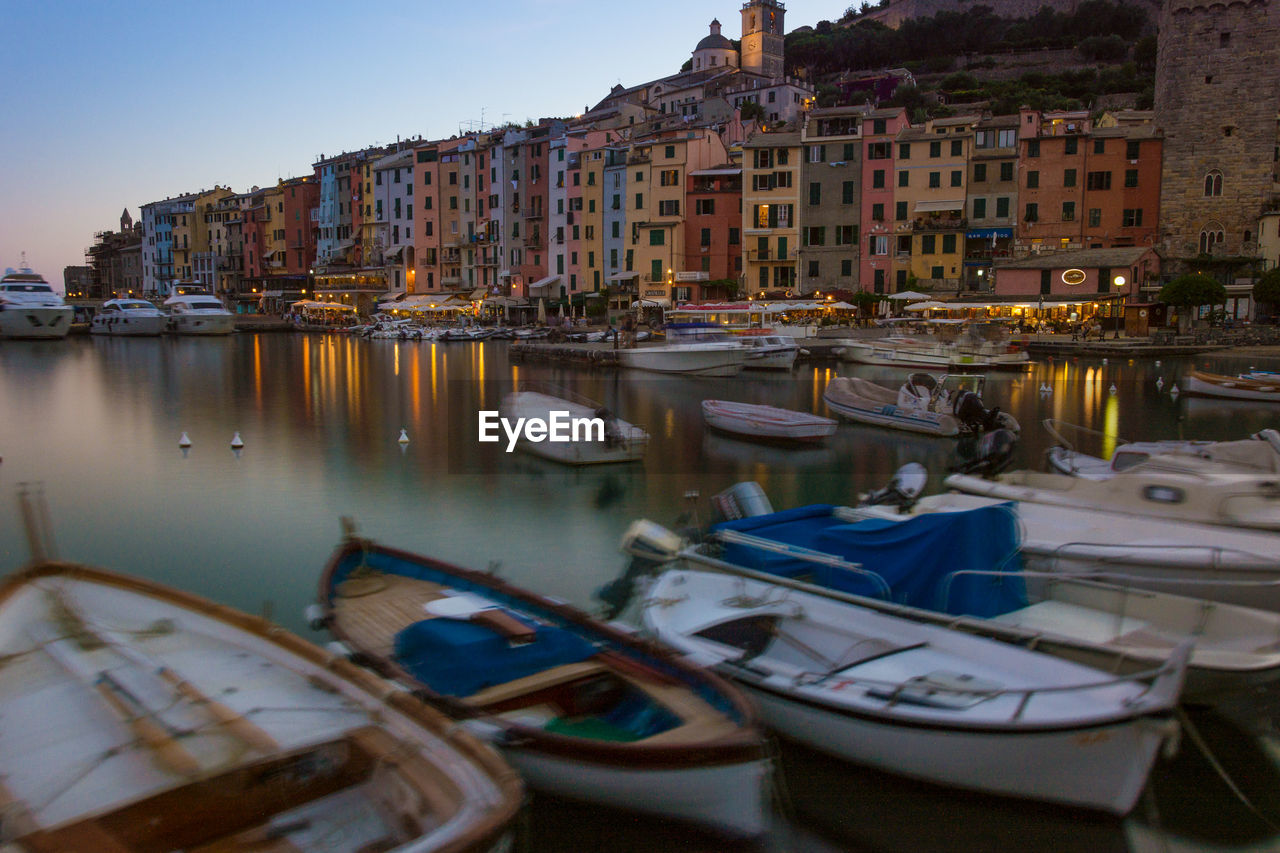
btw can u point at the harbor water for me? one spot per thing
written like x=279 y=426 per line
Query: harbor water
x=96 y=423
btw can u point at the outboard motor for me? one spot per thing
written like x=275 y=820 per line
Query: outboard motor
x=902 y=490
x=991 y=454
x=742 y=500
x=650 y=546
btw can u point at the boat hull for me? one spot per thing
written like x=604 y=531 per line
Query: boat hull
x=36 y=322
x=203 y=324
x=861 y=352
x=127 y=326
x=1101 y=768
x=1232 y=388
x=855 y=407
x=691 y=361
x=766 y=423
x=629 y=442
x=783 y=359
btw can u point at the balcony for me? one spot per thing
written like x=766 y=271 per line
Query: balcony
x=637 y=157
x=533 y=241
x=940 y=223
x=531 y=213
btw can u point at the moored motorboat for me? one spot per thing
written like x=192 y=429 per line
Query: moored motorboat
x=1260 y=452
x=198 y=314
x=1243 y=387
x=128 y=317
x=766 y=423
x=29 y=309
x=921 y=700
x=768 y=350
x=946 y=406
x=895 y=352
x=592 y=433
x=139 y=717
x=582 y=709
x=695 y=349
x=1173 y=487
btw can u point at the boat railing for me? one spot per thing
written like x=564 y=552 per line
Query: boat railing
x=1056 y=428
x=1215 y=554
x=735 y=537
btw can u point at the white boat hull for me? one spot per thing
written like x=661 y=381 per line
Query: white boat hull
x=783 y=359
x=730 y=798
x=716 y=360
x=203 y=324
x=1227 y=388
x=628 y=444
x=36 y=322
x=1102 y=768
x=126 y=326
x=929 y=423
x=862 y=352
x=766 y=423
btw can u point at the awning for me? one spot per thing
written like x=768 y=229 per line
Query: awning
x=624 y=276
x=544 y=282
x=269 y=255
x=478 y=294
x=909 y=295
x=392 y=294
x=935 y=206
x=343 y=246
x=926 y=306
x=654 y=302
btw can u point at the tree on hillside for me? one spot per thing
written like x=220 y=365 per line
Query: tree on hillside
x=1267 y=290
x=1191 y=291
x=752 y=110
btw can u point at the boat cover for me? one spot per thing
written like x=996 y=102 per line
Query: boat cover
x=459 y=658
x=917 y=558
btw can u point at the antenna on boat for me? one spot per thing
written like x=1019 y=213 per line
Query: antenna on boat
x=36 y=522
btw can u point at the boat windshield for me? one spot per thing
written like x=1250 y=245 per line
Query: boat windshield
x=26 y=288
x=696 y=333
x=133 y=305
x=206 y=305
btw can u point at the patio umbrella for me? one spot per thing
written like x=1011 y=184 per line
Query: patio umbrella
x=542 y=311
x=908 y=295
x=925 y=306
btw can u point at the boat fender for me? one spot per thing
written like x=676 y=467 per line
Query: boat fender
x=316 y=618
x=342 y=650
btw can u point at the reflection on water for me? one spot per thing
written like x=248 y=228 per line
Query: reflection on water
x=97 y=421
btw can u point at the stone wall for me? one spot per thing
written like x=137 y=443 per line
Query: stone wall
x=1216 y=99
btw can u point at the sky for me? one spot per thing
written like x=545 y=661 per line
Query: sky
x=113 y=105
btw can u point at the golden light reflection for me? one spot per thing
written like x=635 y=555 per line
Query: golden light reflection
x=415 y=388
x=1111 y=425
x=669 y=423
x=434 y=396
x=257 y=369
x=306 y=373
x=480 y=376
x=396 y=368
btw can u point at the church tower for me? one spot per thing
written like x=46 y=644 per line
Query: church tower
x=126 y=221
x=762 y=46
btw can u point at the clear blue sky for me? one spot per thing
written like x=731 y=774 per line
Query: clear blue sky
x=112 y=105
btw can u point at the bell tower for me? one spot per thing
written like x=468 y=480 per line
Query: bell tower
x=762 y=46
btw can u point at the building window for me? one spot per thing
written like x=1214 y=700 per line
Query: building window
x=877 y=212
x=1068 y=211
x=1095 y=217
x=957 y=148
x=639 y=201
x=1099 y=146
x=935 y=179
x=1130 y=177
x=877 y=179
x=979 y=208
x=846 y=192
x=1032 y=213
x=879 y=150
x=1213 y=183
x=904 y=178
x=928 y=244
x=657 y=237
x=705 y=237
x=815 y=236
x=1210 y=238
x=669 y=177
x=813 y=269
x=817 y=153
x=1071 y=146
x=846 y=235
x=1132 y=217
x=670 y=151
x=815 y=193
x=1006 y=171
x=1033 y=180
x=735 y=237
x=904 y=150
x=846 y=268
x=879 y=245
x=979 y=173
x=1131 y=149
x=900 y=211
x=935 y=149
x=669 y=207
x=1098 y=181
x=704 y=207
x=1033 y=148
x=948 y=244
x=957 y=178
x=1069 y=177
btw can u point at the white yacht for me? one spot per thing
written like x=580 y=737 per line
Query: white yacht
x=132 y=317
x=29 y=308
x=699 y=349
x=767 y=350
x=198 y=314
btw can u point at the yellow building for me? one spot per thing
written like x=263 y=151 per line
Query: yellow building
x=274 y=243
x=192 y=248
x=770 y=198
x=929 y=203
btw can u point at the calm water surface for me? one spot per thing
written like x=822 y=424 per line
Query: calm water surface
x=97 y=421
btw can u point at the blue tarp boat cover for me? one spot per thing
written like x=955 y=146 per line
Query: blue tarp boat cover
x=916 y=557
x=458 y=658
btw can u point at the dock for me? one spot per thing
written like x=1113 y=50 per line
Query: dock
x=600 y=354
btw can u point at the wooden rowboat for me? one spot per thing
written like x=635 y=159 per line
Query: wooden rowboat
x=582 y=709
x=1204 y=384
x=141 y=718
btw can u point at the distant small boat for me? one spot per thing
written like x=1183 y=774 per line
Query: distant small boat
x=766 y=423
x=580 y=708
x=695 y=349
x=1241 y=387
x=768 y=350
x=137 y=717
x=199 y=314
x=946 y=406
x=618 y=441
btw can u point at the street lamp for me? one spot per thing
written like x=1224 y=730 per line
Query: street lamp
x=1118 y=281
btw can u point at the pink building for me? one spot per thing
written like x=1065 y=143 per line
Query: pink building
x=879 y=134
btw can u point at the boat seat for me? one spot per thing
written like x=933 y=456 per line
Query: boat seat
x=530 y=683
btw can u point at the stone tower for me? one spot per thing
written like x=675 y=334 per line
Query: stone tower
x=1216 y=100
x=126 y=221
x=762 y=47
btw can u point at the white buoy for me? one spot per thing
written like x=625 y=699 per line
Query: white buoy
x=1175 y=392
x=404 y=436
x=1160 y=383
x=1104 y=361
x=184 y=441
x=237 y=442
x=1045 y=389
x=1112 y=389
x=1157 y=362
